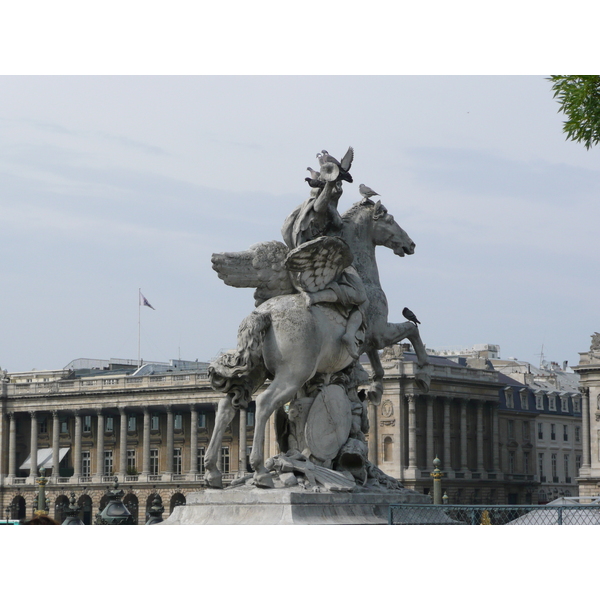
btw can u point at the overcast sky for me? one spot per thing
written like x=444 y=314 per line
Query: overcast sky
x=110 y=184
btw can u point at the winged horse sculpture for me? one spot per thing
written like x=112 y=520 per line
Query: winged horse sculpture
x=319 y=304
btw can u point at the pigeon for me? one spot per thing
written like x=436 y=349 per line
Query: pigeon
x=315 y=183
x=324 y=158
x=314 y=174
x=366 y=192
x=410 y=315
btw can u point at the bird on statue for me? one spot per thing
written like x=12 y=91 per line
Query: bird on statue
x=410 y=316
x=324 y=158
x=315 y=183
x=314 y=174
x=366 y=192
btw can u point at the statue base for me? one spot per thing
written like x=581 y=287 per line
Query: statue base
x=280 y=506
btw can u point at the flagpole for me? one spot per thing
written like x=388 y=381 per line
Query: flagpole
x=139 y=326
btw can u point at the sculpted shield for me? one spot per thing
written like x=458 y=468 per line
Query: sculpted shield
x=328 y=423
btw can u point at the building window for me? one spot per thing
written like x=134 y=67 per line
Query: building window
x=250 y=419
x=564 y=403
x=576 y=405
x=388 y=447
x=131 y=462
x=526 y=462
x=577 y=463
x=109 y=425
x=539 y=401
x=178 y=421
x=508 y=393
x=553 y=464
x=552 y=431
x=552 y=402
x=153 y=461
x=511 y=462
x=540 y=431
x=131 y=424
x=177 y=461
x=200 y=460
x=86 y=463
x=64 y=425
x=566 y=463
x=225 y=459
x=43 y=425
x=541 y=466
x=154 y=422
x=201 y=421
x=577 y=433
x=524 y=400
x=526 y=429
x=511 y=430
x=565 y=433
x=87 y=424
x=108 y=463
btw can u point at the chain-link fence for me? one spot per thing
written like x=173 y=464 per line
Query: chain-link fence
x=419 y=514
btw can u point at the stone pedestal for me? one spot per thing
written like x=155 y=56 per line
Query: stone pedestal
x=280 y=506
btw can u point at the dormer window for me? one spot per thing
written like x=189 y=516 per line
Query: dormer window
x=508 y=394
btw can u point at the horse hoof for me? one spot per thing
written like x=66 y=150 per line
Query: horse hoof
x=214 y=480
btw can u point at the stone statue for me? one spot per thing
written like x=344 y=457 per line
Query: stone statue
x=319 y=305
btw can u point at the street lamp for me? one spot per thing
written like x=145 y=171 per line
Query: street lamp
x=115 y=512
x=155 y=512
x=41 y=496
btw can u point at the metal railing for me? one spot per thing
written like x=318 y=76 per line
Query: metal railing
x=435 y=514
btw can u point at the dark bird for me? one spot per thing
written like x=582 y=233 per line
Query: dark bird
x=410 y=316
x=315 y=183
x=324 y=158
x=366 y=192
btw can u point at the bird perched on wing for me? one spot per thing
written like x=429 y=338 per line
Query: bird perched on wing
x=344 y=166
x=410 y=316
x=366 y=192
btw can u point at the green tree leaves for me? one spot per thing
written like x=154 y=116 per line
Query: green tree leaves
x=579 y=97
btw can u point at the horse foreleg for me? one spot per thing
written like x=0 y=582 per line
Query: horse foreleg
x=267 y=403
x=225 y=414
x=395 y=332
x=376 y=388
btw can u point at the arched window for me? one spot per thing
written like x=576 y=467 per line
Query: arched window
x=85 y=514
x=388 y=449
x=17 y=508
x=131 y=502
x=176 y=500
x=60 y=506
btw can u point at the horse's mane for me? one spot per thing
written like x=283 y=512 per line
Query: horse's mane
x=361 y=206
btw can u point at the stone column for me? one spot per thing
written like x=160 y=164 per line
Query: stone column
x=412 y=432
x=169 y=469
x=464 y=461
x=429 y=432
x=242 y=443
x=480 y=464
x=12 y=445
x=77 y=447
x=193 y=442
x=495 y=439
x=2 y=438
x=33 y=446
x=146 y=443
x=372 y=445
x=585 y=414
x=122 y=444
x=100 y=445
x=55 y=445
x=447 y=432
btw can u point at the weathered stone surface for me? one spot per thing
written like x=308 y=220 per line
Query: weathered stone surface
x=243 y=506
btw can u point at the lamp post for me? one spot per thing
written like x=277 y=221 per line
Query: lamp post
x=437 y=481
x=155 y=512
x=41 y=496
x=115 y=512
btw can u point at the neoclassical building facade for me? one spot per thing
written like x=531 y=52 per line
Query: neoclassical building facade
x=150 y=427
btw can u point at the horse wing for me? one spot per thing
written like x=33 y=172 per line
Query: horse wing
x=315 y=264
x=261 y=267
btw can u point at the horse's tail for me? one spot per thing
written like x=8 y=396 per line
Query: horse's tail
x=239 y=373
